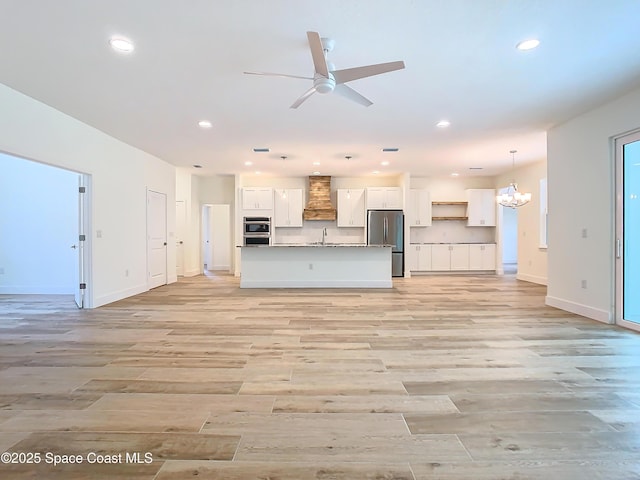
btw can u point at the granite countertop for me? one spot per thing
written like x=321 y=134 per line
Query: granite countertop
x=452 y=243
x=315 y=244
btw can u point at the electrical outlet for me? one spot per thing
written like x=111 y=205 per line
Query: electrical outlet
x=98 y=233
x=584 y=233
x=583 y=283
x=1 y=270
x=126 y=273
x=311 y=266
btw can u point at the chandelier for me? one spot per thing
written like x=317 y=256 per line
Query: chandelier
x=512 y=197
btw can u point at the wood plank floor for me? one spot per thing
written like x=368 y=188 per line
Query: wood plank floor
x=456 y=377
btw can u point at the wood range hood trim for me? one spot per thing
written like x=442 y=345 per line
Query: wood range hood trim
x=319 y=206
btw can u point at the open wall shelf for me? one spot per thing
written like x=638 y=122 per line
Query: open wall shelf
x=457 y=212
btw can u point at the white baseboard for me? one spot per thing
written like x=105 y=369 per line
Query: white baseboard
x=316 y=284
x=192 y=273
x=119 y=295
x=172 y=279
x=218 y=267
x=579 y=309
x=531 y=278
x=35 y=290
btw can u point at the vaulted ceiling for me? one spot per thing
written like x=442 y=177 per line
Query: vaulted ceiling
x=189 y=58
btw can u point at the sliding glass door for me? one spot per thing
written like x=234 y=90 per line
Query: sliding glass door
x=628 y=231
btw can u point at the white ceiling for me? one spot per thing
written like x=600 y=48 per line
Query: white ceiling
x=461 y=65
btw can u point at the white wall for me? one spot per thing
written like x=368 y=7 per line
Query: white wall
x=38 y=225
x=581 y=196
x=120 y=176
x=532 y=260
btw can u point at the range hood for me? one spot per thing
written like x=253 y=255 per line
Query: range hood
x=319 y=206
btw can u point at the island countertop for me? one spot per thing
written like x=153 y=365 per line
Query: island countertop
x=316 y=265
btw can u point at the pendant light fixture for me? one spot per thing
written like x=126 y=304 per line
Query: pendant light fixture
x=512 y=197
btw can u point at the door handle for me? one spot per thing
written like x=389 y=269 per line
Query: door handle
x=165 y=244
x=74 y=246
x=618 y=248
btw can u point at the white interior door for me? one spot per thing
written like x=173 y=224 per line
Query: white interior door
x=206 y=238
x=181 y=223
x=628 y=231
x=156 y=238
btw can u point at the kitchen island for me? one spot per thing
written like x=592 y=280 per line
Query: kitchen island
x=316 y=266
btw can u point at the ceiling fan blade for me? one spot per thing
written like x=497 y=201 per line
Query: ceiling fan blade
x=278 y=75
x=351 y=94
x=317 y=53
x=349 y=74
x=304 y=96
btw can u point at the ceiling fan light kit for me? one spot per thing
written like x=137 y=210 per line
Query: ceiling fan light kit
x=327 y=79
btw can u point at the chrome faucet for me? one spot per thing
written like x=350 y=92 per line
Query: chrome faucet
x=324 y=234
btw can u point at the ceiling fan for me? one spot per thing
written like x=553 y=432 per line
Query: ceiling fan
x=327 y=79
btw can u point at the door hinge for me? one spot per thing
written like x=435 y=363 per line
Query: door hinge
x=82 y=189
x=82 y=238
x=83 y=286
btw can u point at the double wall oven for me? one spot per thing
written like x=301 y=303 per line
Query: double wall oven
x=257 y=230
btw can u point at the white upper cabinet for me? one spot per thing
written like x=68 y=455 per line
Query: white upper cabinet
x=351 y=207
x=288 y=203
x=419 y=208
x=481 y=208
x=257 y=198
x=384 y=198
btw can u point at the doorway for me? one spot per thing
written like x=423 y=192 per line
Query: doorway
x=508 y=237
x=48 y=255
x=156 y=238
x=627 y=155
x=216 y=237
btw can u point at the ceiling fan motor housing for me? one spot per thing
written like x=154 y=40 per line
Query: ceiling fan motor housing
x=324 y=84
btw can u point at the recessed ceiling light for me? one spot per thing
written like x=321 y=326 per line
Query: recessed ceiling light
x=248 y=164
x=197 y=166
x=121 y=44
x=316 y=163
x=375 y=172
x=443 y=123
x=390 y=149
x=204 y=124
x=261 y=150
x=385 y=163
x=454 y=174
x=528 y=44
x=316 y=173
x=258 y=172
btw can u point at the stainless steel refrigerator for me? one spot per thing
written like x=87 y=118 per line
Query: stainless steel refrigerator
x=386 y=227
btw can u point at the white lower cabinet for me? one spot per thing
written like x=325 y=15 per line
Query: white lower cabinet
x=482 y=256
x=420 y=258
x=446 y=257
